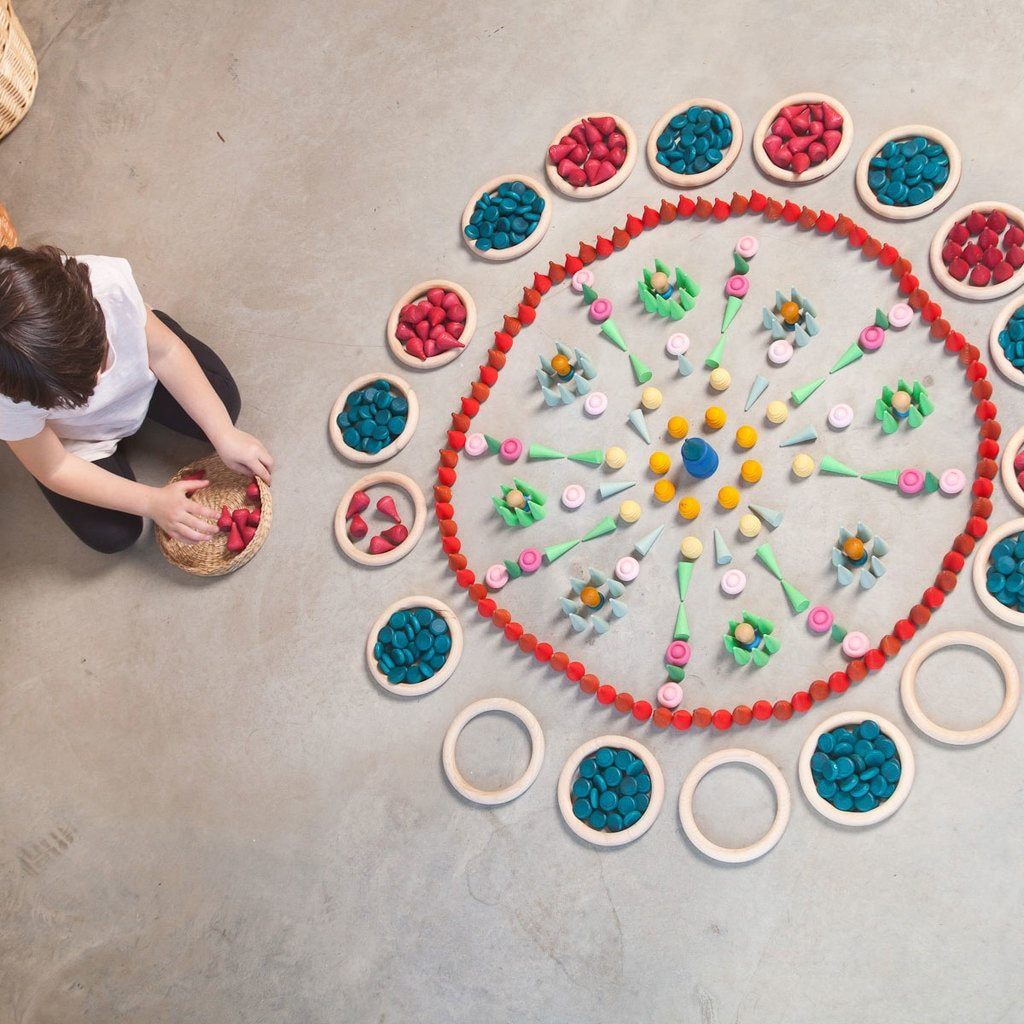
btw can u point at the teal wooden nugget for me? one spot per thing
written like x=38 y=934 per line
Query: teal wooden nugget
x=855 y=768
x=612 y=789
x=412 y=646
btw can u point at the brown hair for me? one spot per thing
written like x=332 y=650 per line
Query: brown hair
x=53 y=337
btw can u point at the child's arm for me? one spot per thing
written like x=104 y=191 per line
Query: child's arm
x=56 y=468
x=178 y=371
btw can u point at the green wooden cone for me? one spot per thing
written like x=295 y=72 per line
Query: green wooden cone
x=611 y=332
x=682 y=626
x=555 y=551
x=800 y=395
x=640 y=371
x=607 y=525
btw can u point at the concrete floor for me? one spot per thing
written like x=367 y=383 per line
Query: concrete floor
x=207 y=810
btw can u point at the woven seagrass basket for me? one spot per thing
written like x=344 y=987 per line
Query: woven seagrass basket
x=8 y=236
x=19 y=74
x=211 y=557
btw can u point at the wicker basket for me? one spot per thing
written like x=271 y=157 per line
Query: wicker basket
x=8 y=236
x=226 y=487
x=19 y=74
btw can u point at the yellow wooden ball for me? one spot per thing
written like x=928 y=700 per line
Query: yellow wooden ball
x=720 y=379
x=650 y=399
x=660 y=463
x=560 y=364
x=776 y=412
x=728 y=498
x=591 y=597
x=750 y=471
x=664 y=490
x=803 y=466
x=615 y=457
x=790 y=312
x=691 y=547
x=630 y=511
x=678 y=427
x=515 y=499
x=746 y=436
x=689 y=508
x=714 y=417
x=750 y=525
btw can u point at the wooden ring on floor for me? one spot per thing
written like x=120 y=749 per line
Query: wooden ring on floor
x=593 y=191
x=419 y=519
x=979 y=572
x=415 y=293
x=636 y=830
x=443 y=674
x=901 y=134
x=701 y=178
x=960 y=737
x=961 y=289
x=857 y=819
x=531 y=240
x=363 y=458
x=1008 y=473
x=490 y=797
x=783 y=806
x=827 y=166
x=1003 y=365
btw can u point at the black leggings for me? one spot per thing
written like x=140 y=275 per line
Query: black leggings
x=107 y=530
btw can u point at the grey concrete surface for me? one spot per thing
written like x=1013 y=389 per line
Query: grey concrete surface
x=207 y=810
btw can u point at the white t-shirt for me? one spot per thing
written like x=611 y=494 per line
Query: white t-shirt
x=121 y=399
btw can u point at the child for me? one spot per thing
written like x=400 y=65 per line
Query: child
x=83 y=362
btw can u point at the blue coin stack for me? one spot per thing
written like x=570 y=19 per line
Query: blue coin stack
x=505 y=217
x=413 y=646
x=855 y=768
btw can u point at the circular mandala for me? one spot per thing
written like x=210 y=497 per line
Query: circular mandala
x=819 y=225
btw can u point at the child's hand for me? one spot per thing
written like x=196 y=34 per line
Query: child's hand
x=181 y=517
x=245 y=454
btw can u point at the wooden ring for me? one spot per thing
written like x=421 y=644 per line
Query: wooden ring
x=415 y=293
x=979 y=571
x=1003 y=365
x=827 y=166
x=637 y=829
x=960 y=737
x=908 y=131
x=443 y=674
x=532 y=239
x=593 y=191
x=419 y=520
x=363 y=458
x=857 y=819
x=783 y=805
x=1008 y=473
x=961 y=289
x=490 y=797
x=712 y=173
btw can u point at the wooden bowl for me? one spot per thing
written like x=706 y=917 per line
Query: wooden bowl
x=593 y=191
x=353 y=454
x=443 y=674
x=419 y=519
x=414 y=294
x=226 y=487
x=812 y=173
x=712 y=173
x=961 y=289
x=1002 y=364
x=531 y=240
x=908 y=131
